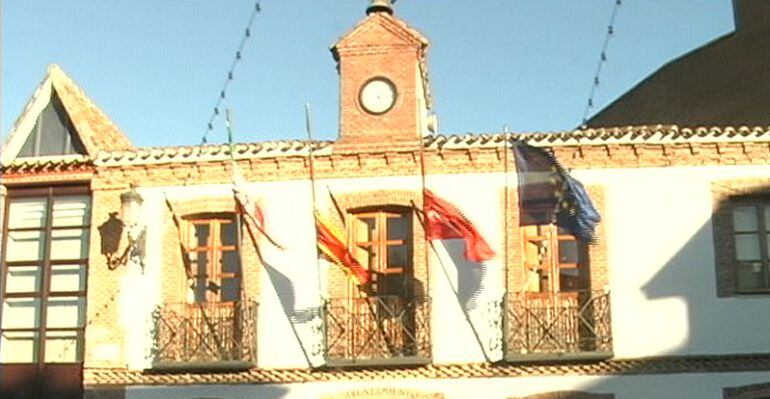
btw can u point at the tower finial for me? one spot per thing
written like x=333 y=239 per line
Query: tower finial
x=380 y=6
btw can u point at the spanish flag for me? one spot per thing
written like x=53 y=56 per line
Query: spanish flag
x=332 y=245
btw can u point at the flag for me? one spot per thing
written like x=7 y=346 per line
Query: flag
x=444 y=221
x=250 y=209
x=545 y=188
x=243 y=203
x=332 y=245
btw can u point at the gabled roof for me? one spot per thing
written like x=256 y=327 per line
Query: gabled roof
x=395 y=28
x=94 y=129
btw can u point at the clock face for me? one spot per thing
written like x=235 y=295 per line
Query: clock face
x=377 y=96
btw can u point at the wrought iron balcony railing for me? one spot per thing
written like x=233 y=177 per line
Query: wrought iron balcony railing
x=557 y=325
x=386 y=329
x=205 y=335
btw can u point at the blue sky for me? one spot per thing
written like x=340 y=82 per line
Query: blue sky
x=156 y=67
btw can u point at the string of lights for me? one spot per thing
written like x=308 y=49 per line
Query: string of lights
x=209 y=127
x=230 y=73
x=602 y=60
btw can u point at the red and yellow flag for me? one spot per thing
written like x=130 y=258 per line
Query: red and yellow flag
x=332 y=245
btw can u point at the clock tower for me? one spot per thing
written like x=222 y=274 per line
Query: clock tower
x=384 y=93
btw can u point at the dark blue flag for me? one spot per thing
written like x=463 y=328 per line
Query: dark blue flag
x=547 y=193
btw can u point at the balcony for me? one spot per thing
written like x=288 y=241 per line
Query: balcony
x=205 y=336
x=377 y=330
x=553 y=326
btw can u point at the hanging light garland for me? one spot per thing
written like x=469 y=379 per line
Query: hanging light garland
x=230 y=73
x=602 y=60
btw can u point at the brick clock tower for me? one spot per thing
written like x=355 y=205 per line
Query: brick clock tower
x=384 y=93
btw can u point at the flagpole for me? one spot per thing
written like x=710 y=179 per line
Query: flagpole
x=441 y=262
x=311 y=174
x=506 y=205
x=269 y=277
x=238 y=223
x=425 y=230
x=524 y=269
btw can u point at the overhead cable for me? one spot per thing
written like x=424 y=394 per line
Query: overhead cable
x=247 y=33
x=602 y=60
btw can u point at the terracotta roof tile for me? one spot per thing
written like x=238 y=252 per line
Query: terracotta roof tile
x=296 y=148
x=660 y=134
x=603 y=136
x=662 y=365
x=206 y=153
x=49 y=164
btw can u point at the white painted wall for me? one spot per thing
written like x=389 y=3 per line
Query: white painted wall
x=662 y=272
x=674 y=386
x=661 y=260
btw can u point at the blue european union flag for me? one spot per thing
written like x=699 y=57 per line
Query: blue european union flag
x=548 y=194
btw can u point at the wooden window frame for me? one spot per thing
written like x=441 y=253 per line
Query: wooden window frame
x=763 y=231
x=550 y=234
x=214 y=249
x=379 y=242
x=43 y=292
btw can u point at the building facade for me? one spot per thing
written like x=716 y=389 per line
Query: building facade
x=192 y=272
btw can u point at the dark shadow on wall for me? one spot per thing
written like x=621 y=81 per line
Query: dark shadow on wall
x=287 y=296
x=470 y=275
x=200 y=392
x=110 y=233
x=107 y=393
x=686 y=276
x=691 y=275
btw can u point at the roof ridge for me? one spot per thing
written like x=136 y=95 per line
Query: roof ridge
x=117 y=137
x=397 y=22
x=658 y=135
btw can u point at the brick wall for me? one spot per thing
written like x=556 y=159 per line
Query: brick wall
x=339 y=284
x=175 y=284
x=103 y=339
x=379 y=47
x=402 y=160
